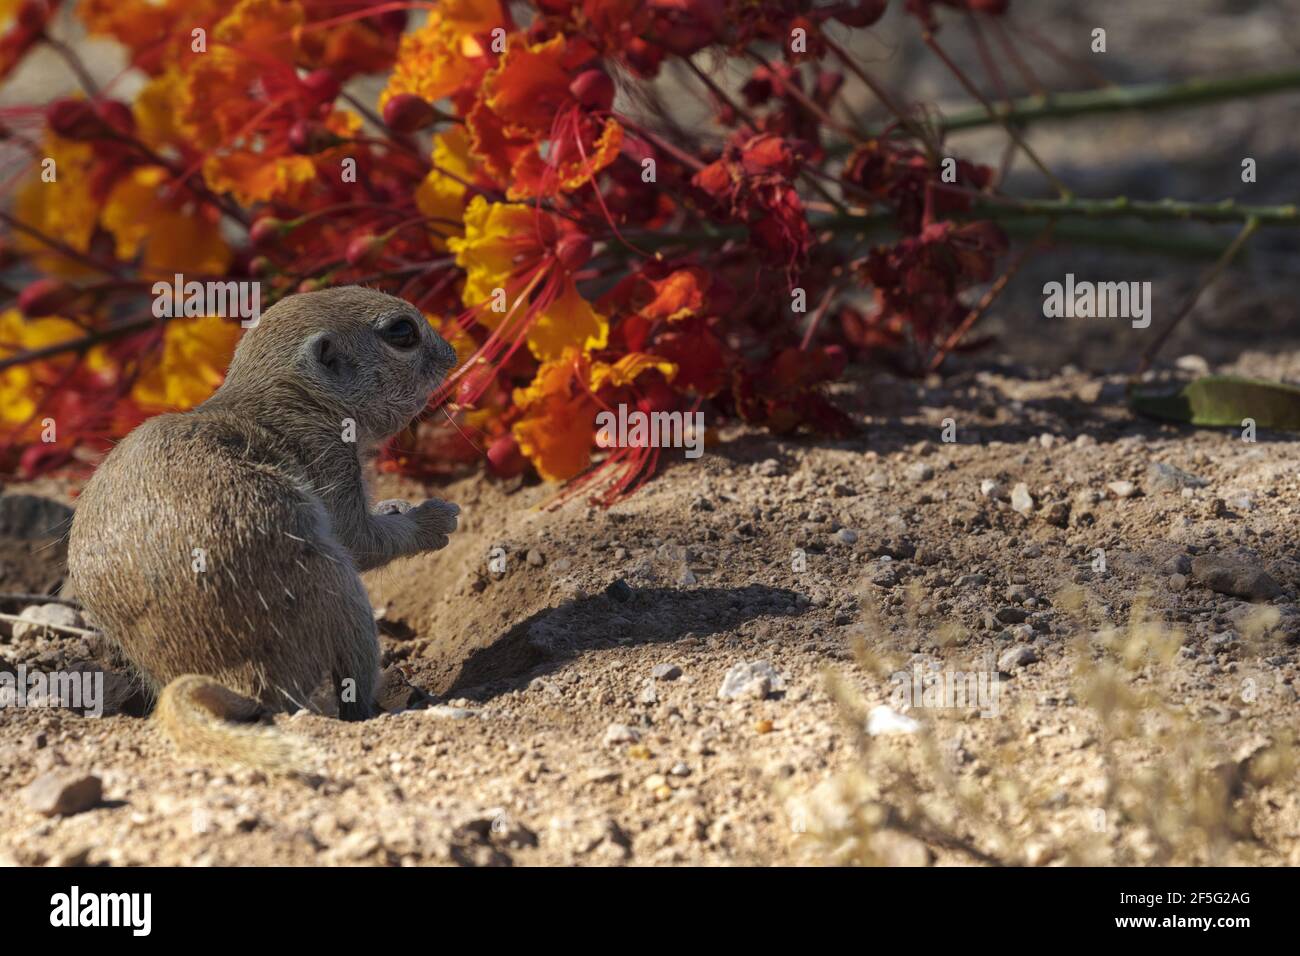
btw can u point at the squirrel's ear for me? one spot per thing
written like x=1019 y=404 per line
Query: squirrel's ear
x=324 y=352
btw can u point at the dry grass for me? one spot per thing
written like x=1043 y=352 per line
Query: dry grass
x=1142 y=781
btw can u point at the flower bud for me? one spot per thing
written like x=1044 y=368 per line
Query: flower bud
x=364 y=250
x=267 y=229
x=406 y=113
x=322 y=85
x=593 y=89
x=573 y=251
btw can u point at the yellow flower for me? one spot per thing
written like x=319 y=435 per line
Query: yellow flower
x=441 y=196
x=19 y=385
x=195 y=355
x=62 y=209
x=142 y=213
x=500 y=251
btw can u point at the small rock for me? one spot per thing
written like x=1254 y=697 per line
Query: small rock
x=1230 y=574
x=1178 y=564
x=755 y=679
x=61 y=794
x=840 y=490
x=41 y=615
x=1169 y=478
x=1122 y=489
x=920 y=471
x=883 y=719
x=535 y=558
x=1012 y=615
x=445 y=712
x=893 y=848
x=1057 y=514
x=649 y=694
x=687 y=577
x=1016 y=658
x=846 y=536
x=990 y=488
x=1019 y=594
x=1177 y=582
x=616 y=734
x=666 y=672
x=886 y=576
x=1022 y=502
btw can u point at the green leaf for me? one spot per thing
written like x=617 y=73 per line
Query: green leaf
x=1222 y=401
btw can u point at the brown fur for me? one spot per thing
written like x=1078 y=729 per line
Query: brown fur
x=260 y=485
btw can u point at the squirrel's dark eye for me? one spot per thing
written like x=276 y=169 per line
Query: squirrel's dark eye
x=401 y=334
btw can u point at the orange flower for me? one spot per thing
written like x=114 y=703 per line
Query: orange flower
x=678 y=295
x=557 y=430
x=531 y=130
x=142 y=214
x=448 y=53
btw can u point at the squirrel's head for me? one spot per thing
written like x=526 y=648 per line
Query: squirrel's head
x=367 y=355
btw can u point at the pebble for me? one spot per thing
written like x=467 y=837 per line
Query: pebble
x=666 y=672
x=1235 y=575
x=648 y=695
x=535 y=558
x=37 y=616
x=616 y=734
x=1011 y=615
x=446 y=712
x=1177 y=582
x=1169 y=478
x=990 y=488
x=61 y=794
x=1016 y=658
x=1122 y=489
x=920 y=471
x=846 y=536
x=893 y=848
x=1022 y=502
x=755 y=679
x=1019 y=594
x=883 y=719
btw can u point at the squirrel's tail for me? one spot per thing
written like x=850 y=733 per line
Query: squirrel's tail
x=199 y=715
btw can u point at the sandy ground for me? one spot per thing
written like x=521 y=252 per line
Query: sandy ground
x=552 y=741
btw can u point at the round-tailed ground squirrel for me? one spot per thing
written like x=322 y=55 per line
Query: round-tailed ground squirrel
x=220 y=547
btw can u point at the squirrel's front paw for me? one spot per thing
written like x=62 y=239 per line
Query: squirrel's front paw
x=436 y=519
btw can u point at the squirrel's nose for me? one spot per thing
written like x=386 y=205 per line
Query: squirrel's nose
x=446 y=355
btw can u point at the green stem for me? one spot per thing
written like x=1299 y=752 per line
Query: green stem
x=1121 y=207
x=1149 y=96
